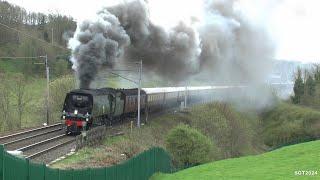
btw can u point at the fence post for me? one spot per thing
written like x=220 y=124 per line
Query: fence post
x=44 y=167
x=28 y=170
x=2 y=161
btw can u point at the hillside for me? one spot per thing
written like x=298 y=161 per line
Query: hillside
x=278 y=164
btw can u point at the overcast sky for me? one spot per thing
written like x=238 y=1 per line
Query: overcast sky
x=293 y=24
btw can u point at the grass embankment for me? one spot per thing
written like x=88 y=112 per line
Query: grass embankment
x=233 y=133
x=23 y=94
x=278 y=164
x=288 y=123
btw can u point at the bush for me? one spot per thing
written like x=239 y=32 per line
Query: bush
x=234 y=133
x=188 y=146
x=288 y=123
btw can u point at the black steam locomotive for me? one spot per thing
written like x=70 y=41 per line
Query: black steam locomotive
x=84 y=108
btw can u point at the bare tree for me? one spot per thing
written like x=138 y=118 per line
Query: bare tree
x=21 y=98
x=5 y=104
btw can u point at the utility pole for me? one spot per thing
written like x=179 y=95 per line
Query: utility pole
x=139 y=91
x=48 y=81
x=47 y=74
x=51 y=35
x=185 y=97
x=138 y=83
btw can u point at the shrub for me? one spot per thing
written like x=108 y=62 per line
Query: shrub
x=288 y=123
x=188 y=146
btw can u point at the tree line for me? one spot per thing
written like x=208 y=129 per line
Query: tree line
x=38 y=25
x=41 y=24
x=22 y=80
x=307 y=87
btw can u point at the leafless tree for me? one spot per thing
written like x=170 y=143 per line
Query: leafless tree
x=20 y=96
x=5 y=104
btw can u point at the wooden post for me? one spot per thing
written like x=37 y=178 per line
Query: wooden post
x=146 y=114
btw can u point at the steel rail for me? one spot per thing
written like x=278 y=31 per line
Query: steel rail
x=40 y=143
x=30 y=137
x=28 y=131
x=49 y=149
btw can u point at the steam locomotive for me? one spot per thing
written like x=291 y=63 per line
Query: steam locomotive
x=85 y=108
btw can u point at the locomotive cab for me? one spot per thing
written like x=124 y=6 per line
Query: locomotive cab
x=77 y=112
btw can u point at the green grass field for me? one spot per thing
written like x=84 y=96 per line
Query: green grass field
x=278 y=164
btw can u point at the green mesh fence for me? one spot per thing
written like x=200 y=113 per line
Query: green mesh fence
x=139 y=167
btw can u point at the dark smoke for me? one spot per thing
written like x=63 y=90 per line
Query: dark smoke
x=223 y=47
x=101 y=43
x=162 y=52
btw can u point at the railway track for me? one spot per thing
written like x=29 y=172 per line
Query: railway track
x=42 y=149
x=29 y=134
x=42 y=144
x=45 y=144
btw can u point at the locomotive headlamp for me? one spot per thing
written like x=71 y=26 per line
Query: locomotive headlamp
x=87 y=117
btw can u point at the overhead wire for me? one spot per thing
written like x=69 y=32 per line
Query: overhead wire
x=30 y=36
x=21 y=57
x=57 y=46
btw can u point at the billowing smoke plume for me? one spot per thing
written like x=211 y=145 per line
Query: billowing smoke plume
x=223 y=46
x=101 y=43
x=173 y=54
x=233 y=50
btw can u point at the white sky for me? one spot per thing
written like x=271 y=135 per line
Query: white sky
x=293 y=24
